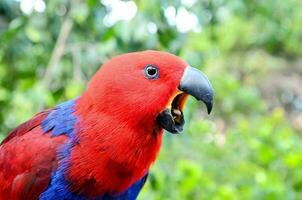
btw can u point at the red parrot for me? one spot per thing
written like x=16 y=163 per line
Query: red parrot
x=101 y=144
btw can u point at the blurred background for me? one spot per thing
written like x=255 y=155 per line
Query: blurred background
x=250 y=146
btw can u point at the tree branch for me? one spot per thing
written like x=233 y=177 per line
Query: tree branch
x=58 y=50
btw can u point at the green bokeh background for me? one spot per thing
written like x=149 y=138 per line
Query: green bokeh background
x=248 y=148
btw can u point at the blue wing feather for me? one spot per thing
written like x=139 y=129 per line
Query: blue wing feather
x=131 y=193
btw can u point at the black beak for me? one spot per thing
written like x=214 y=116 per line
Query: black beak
x=195 y=83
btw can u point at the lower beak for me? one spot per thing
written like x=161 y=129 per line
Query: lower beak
x=194 y=83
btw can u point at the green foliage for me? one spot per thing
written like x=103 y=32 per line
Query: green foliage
x=249 y=148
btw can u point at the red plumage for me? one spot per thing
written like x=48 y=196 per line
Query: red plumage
x=27 y=158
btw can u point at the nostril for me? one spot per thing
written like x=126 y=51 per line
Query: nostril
x=208 y=97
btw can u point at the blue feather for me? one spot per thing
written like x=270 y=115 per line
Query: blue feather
x=131 y=193
x=61 y=121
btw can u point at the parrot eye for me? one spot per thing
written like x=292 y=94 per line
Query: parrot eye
x=151 y=72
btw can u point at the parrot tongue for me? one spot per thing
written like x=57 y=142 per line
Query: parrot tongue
x=172 y=119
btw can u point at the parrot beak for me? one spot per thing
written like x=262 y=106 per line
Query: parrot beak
x=195 y=83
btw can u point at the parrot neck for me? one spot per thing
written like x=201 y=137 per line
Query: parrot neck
x=119 y=150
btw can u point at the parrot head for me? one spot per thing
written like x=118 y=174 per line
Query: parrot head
x=149 y=88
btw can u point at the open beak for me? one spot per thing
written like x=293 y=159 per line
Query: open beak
x=194 y=83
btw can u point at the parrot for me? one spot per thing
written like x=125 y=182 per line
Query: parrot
x=100 y=145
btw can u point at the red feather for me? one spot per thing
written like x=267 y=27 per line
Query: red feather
x=27 y=156
x=27 y=126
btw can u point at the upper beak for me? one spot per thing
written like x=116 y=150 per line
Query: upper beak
x=195 y=83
